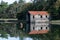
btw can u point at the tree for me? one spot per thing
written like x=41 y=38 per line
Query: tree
x=21 y=1
x=3 y=7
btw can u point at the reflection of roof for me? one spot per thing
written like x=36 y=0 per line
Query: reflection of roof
x=38 y=32
x=38 y=12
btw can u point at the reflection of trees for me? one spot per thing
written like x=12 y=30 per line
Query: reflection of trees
x=8 y=29
x=4 y=35
x=54 y=34
x=11 y=29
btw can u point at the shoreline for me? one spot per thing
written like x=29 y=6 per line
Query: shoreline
x=55 y=22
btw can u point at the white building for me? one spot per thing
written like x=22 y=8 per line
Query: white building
x=38 y=21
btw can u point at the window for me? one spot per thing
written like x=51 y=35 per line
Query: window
x=46 y=27
x=46 y=16
x=33 y=28
x=33 y=17
x=41 y=16
x=41 y=28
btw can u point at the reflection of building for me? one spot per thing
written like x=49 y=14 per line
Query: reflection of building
x=38 y=21
x=39 y=28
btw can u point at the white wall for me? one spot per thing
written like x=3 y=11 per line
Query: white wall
x=39 y=22
x=38 y=26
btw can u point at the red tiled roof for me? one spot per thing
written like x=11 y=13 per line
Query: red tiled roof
x=38 y=32
x=38 y=12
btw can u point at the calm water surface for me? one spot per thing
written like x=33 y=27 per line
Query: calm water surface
x=10 y=32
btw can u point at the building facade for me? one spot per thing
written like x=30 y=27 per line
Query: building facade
x=38 y=22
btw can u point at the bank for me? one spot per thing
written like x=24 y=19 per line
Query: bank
x=55 y=22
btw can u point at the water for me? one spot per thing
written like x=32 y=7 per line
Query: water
x=11 y=32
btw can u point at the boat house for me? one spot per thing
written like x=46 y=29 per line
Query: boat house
x=37 y=22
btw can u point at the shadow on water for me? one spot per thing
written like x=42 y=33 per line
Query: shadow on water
x=53 y=34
